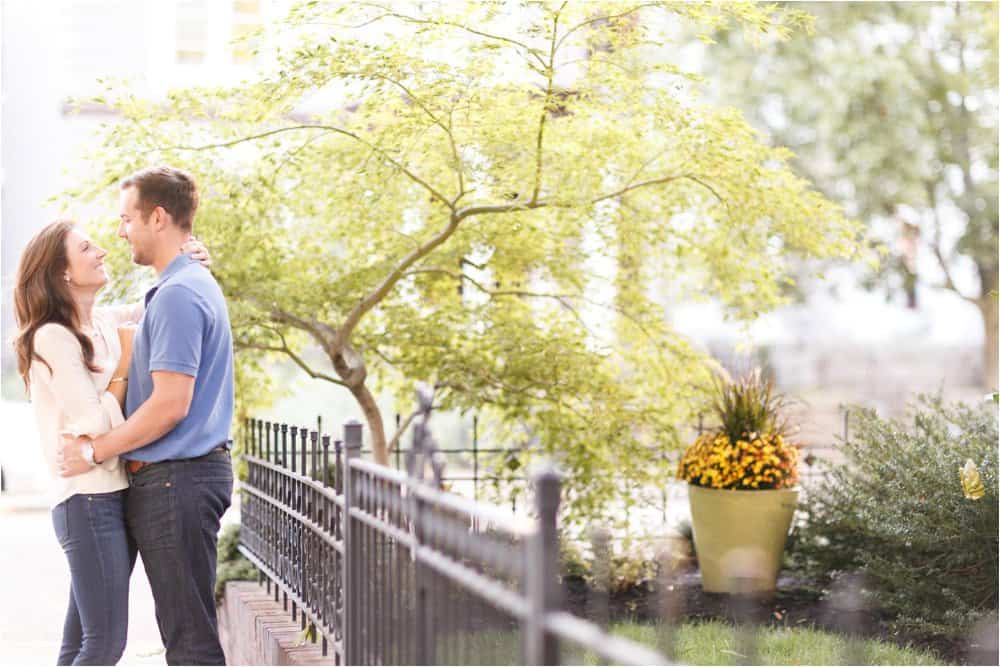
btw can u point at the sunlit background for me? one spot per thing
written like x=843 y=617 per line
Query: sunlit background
x=841 y=344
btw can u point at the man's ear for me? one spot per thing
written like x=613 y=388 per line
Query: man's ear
x=159 y=219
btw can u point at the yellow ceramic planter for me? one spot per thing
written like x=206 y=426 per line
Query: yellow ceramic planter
x=740 y=536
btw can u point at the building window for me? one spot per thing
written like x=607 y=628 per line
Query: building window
x=246 y=22
x=192 y=31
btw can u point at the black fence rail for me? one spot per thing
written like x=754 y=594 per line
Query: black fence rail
x=383 y=567
x=472 y=469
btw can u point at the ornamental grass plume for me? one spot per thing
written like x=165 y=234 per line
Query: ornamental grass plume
x=749 y=449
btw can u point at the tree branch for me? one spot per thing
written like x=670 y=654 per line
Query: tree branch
x=384 y=357
x=325 y=335
x=936 y=244
x=479 y=209
x=354 y=375
x=328 y=128
x=401 y=430
x=343 y=334
x=394 y=441
x=447 y=129
x=379 y=293
x=284 y=349
x=609 y=17
x=318 y=330
x=412 y=19
x=550 y=71
x=481 y=267
x=661 y=181
x=456 y=157
x=561 y=298
x=602 y=61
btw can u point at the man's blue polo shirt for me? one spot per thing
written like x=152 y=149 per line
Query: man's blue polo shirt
x=185 y=329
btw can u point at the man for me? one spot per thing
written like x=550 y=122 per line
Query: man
x=179 y=408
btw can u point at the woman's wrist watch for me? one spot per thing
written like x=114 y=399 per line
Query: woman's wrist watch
x=87 y=452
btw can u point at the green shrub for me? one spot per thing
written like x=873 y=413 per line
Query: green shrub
x=894 y=510
x=231 y=565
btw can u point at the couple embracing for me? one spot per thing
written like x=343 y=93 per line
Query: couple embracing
x=133 y=420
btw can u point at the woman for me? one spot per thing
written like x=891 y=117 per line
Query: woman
x=73 y=357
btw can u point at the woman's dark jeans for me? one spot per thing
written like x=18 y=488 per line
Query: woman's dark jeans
x=91 y=530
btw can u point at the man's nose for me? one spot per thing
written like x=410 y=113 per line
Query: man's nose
x=101 y=253
x=122 y=232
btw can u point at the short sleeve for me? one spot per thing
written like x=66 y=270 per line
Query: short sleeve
x=176 y=322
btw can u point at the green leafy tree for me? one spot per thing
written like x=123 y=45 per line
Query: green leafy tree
x=483 y=197
x=892 y=110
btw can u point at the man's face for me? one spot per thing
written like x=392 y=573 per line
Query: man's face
x=134 y=228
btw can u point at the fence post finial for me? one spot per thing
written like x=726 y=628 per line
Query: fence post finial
x=352 y=435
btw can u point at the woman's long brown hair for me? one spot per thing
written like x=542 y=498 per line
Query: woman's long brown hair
x=41 y=296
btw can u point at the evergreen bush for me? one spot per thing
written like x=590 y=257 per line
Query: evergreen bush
x=896 y=510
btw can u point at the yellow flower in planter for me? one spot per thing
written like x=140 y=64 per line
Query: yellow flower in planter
x=742 y=480
x=748 y=450
x=972 y=483
x=766 y=462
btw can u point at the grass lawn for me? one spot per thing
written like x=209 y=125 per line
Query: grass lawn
x=700 y=643
x=716 y=643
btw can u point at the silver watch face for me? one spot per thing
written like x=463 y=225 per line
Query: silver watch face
x=88 y=453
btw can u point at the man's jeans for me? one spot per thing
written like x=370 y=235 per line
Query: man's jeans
x=174 y=508
x=91 y=530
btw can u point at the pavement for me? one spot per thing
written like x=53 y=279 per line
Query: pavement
x=34 y=590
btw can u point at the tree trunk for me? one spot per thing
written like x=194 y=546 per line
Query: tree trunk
x=374 y=418
x=988 y=307
x=354 y=379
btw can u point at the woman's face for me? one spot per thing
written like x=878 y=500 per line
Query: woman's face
x=86 y=261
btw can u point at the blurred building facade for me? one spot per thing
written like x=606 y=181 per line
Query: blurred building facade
x=55 y=50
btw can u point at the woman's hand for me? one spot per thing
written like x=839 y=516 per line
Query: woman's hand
x=198 y=251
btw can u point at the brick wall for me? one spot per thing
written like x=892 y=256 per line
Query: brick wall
x=255 y=630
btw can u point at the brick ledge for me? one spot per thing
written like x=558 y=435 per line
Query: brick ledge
x=255 y=630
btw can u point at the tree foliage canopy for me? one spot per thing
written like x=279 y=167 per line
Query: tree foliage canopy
x=489 y=197
x=891 y=110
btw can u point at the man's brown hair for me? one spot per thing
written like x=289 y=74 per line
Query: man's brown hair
x=172 y=189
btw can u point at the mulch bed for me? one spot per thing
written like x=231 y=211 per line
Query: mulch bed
x=795 y=604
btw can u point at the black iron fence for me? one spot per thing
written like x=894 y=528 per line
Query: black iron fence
x=473 y=470
x=470 y=468
x=383 y=567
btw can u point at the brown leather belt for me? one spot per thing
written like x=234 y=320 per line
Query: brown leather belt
x=135 y=466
